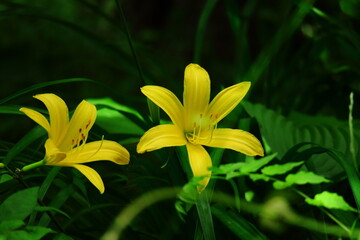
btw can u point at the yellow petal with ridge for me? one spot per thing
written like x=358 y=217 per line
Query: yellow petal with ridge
x=167 y=101
x=98 y=151
x=226 y=100
x=80 y=124
x=196 y=93
x=237 y=140
x=59 y=115
x=160 y=136
x=37 y=117
x=200 y=162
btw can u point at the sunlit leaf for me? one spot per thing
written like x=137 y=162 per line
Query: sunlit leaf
x=241 y=168
x=254 y=165
x=330 y=200
x=227 y=168
x=300 y=178
x=257 y=176
x=277 y=169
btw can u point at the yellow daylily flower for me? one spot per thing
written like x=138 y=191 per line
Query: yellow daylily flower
x=195 y=122
x=66 y=145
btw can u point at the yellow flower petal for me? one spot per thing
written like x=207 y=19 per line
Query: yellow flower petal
x=167 y=101
x=37 y=117
x=226 y=100
x=97 y=151
x=79 y=126
x=196 y=93
x=200 y=163
x=92 y=175
x=161 y=136
x=237 y=140
x=59 y=115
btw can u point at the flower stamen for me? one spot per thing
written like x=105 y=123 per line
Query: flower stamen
x=202 y=128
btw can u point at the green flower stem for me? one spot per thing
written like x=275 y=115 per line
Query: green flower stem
x=33 y=165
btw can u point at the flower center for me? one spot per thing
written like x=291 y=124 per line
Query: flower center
x=203 y=127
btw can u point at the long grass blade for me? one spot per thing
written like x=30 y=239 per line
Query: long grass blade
x=200 y=32
x=42 y=85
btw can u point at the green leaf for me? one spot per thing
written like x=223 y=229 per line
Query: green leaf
x=29 y=233
x=117 y=118
x=226 y=168
x=62 y=236
x=42 y=85
x=57 y=201
x=283 y=133
x=205 y=217
x=36 y=133
x=108 y=102
x=277 y=169
x=10 y=109
x=115 y=122
x=19 y=205
x=257 y=176
x=237 y=169
x=242 y=228
x=216 y=156
x=10 y=225
x=154 y=112
x=330 y=200
x=300 y=178
x=350 y=7
x=47 y=182
x=254 y=165
x=47 y=209
x=201 y=28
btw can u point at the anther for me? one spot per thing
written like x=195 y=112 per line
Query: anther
x=88 y=123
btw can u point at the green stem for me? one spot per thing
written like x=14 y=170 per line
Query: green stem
x=236 y=193
x=205 y=216
x=33 y=165
x=130 y=42
x=351 y=131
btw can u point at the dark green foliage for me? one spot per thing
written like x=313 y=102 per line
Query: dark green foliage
x=302 y=58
